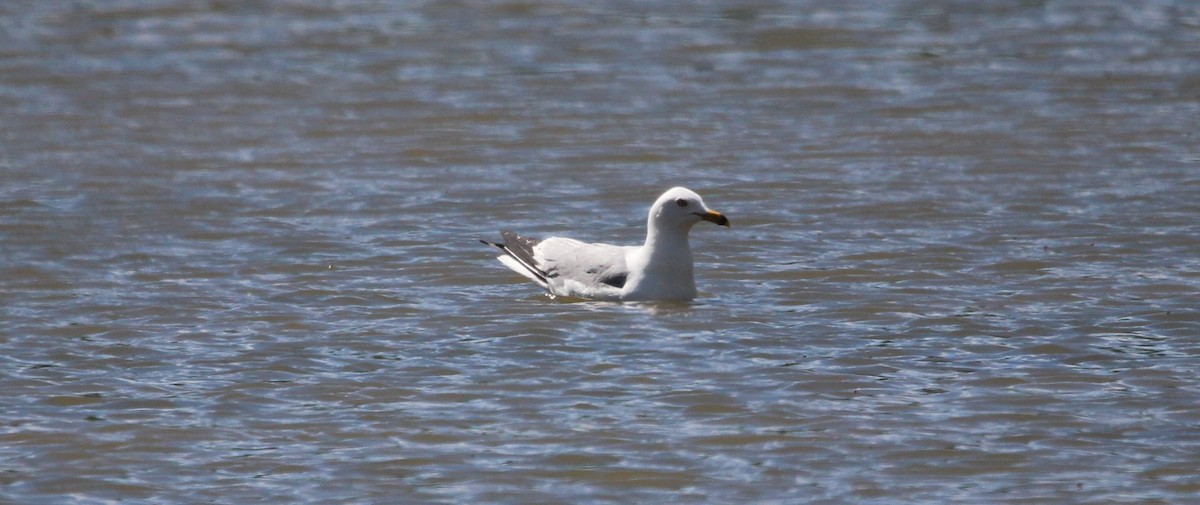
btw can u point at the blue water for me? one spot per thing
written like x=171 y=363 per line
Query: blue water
x=239 y=258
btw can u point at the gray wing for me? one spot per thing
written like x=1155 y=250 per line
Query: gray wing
x=574 y=268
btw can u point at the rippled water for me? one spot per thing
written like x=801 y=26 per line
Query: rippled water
x=240 y=260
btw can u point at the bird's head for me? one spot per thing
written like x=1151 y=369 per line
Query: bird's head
x=682 y=207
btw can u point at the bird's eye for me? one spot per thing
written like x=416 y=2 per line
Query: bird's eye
x=681 y=202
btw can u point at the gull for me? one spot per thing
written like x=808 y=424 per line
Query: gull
x=659 y=269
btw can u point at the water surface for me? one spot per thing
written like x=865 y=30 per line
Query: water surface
x=239 y=257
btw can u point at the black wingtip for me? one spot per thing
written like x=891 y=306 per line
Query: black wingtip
x=520 y=249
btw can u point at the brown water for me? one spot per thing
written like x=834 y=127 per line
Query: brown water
x=239 y=257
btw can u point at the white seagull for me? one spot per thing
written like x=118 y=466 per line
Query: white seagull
x=660 y=269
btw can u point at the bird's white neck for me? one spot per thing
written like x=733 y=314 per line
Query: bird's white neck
x=662 y=268
x=667 y=247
